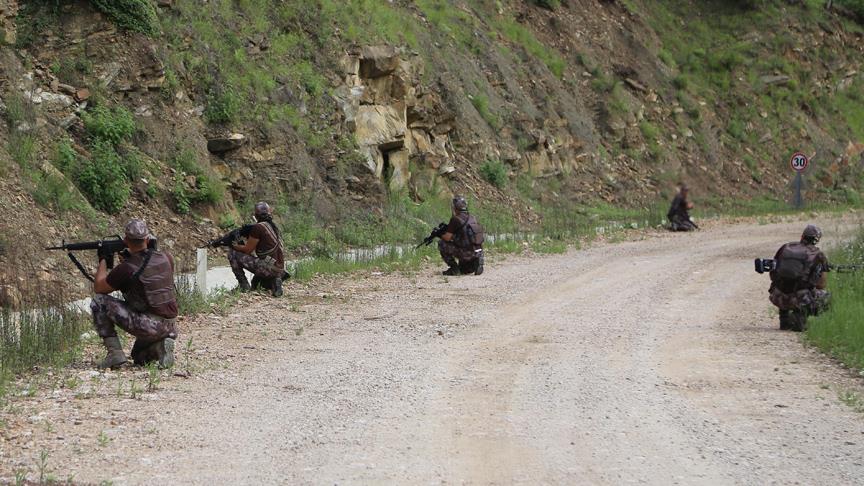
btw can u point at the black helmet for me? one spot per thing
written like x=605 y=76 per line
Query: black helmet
x=812 y=234
x=460 y=204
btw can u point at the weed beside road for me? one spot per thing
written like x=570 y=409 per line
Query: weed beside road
x=840 y=331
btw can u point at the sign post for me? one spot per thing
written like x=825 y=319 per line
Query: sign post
x=799 y=163
x=201 y=271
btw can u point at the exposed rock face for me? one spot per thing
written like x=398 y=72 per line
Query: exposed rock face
x=220 y=145
x=10 y=297
x=8 y=11
x=395 y=122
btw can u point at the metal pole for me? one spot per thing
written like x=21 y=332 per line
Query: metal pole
x=201 y=271
x=799 y=199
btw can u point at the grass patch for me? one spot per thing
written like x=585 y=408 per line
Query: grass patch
x=190 y=301
x=518 y=34
x=481 y=104
x=35 y=337
x=305 y=270
x=840 y=331
x=193 y=184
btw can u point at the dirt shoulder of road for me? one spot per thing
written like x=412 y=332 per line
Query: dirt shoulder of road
x=81 y=424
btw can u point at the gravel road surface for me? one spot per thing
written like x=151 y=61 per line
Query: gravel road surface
x=654 y=361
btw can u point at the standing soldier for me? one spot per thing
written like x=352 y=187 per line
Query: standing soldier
x=679 y=213
x=799 y=280
x=268 y=263
x=149 y=309
x=461 y=245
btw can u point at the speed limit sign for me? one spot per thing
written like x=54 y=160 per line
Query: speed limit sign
x=799 y=162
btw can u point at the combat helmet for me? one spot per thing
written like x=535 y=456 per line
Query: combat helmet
x=262 y=211
x=812 y=234
x=460 y=204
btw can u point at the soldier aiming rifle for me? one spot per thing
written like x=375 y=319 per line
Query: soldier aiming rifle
x=148 y=309
x=258 y=249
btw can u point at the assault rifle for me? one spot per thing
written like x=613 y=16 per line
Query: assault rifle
x=105 y=248
x=436 y=233
x=764 y=265
x=230 y=237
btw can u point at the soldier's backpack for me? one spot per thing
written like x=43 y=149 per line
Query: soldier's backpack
x=793 y=268
x=474 y=232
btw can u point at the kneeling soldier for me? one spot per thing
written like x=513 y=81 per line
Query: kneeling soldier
x=461 y=245
x=149 y=309
x=799 y=280
x=268 y=263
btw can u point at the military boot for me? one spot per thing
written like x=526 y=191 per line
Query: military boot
x=115 y=357
x=277 y=287
x=452 y=271
x=162 y=352
x=785 y=320
x=140 y=351
x=480 y=261
x=797 y=321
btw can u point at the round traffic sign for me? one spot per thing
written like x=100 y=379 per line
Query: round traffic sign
x=799 y=162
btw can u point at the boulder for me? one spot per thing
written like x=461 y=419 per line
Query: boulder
x=226 y=144
x=350 y=65
x=378 y=125
x=779 y=80
x=378 y=61
x=399 y=173
x=10 y=297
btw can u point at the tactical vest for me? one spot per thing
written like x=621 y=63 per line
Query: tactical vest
x=264 y=253
x=471 y=234
x=156 y=277
x=796 y=268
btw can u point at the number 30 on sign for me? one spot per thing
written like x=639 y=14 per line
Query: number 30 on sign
x=799 y=162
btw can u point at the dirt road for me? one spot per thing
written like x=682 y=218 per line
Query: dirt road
x=654 y=361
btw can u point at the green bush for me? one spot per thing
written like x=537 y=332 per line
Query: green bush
x=223 y=105
x=65 y=157
x=112 y=125
x=134 y=15
x=854 y=6
x=207 y=188
x=103 y=179
x=182 y=203
x=494 y=172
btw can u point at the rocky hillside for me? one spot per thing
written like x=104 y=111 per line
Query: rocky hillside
x=359 y=117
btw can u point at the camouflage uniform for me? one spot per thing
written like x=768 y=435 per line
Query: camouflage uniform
x=109 y=311
x=259 y=267
x=796 y=300
x=811 y=301
x=450 y=253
